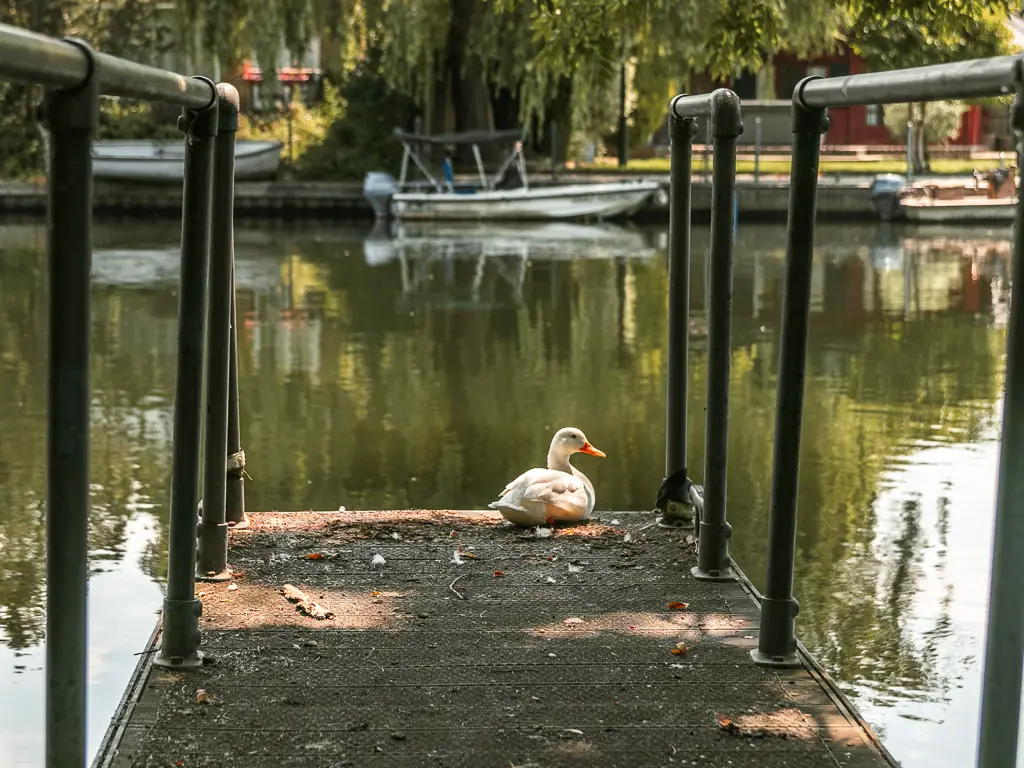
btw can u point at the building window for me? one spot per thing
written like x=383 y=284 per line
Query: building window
x=873 y=115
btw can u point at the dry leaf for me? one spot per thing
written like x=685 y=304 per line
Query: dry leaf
x=232 y=587
x=573 y=620
x=315 y=556
x=677 y=606
x=203 y=696
x=498 y=574
x=375 y=594
x=304 y=604
x=680 y=649
x=728 y=725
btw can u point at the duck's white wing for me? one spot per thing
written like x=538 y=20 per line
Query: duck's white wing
x=539 y=494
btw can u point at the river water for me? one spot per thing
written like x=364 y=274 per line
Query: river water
x=427 y=366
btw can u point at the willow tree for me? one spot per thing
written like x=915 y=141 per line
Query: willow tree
x=669 y=40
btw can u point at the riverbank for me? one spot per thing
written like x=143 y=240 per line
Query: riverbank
x=766 y=198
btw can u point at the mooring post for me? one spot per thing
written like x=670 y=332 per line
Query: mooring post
x=777 y=644
x=179 y=641
x=1004 y=645
x=713 y=562
x=212 y=556
x=673 y=499
x=71 y=115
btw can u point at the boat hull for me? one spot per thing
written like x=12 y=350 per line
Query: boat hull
x=965 y=211
x=574 y=201
x=164 y=161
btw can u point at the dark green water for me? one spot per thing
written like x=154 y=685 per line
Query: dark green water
x=428 y=369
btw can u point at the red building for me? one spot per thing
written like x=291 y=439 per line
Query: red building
x=860 y=125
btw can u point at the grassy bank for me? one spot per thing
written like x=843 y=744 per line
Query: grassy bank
x=780 y=166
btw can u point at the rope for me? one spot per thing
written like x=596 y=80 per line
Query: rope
x=236 y=464
x=675 y=487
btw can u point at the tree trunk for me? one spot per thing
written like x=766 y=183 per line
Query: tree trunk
x=766 y=79
x=470 y=96
x=919 y=149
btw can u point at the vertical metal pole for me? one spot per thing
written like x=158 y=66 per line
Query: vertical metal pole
x=179 y=642
x=757 y=149
x=623 y=131
x=212 y=556
x=673 y=497
x=707 y=146
x=236 y=516
x=72 y=116
x=713 y=540
x=777 y=638
x=1004 y=645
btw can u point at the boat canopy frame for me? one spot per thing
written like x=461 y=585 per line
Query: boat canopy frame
x=411 y=141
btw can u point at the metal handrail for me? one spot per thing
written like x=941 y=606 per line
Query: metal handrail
x=1004 y=658
x=75 y=77
x=28 y=57
x=958 y=80
x=777 y=643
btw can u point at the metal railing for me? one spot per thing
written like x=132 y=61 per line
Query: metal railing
x=678 y=498
x=777 y=643
x=76 y=77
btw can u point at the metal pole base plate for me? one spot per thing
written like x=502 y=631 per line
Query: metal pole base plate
x=241 y=525
x=225 y=575
x=726 y=575
x=790 y=661
x=178 y=662
x=677 y=515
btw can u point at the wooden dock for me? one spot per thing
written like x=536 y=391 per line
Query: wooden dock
x=593 y=646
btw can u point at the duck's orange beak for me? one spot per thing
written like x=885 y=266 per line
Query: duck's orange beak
x=588 y=448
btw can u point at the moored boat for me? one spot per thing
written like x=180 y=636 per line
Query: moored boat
x=493 y=198
x=148 y=160
x=987 y=198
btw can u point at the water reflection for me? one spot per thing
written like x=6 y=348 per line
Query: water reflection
x=421 y=366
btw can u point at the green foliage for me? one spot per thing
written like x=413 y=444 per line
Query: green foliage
x=914 y=35
x=121 y=119
x=941 y=119
x=308 y=127
x=360 y=138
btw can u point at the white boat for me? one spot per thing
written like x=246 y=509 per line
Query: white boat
x=986 y=198
x=164 y=160
x=969 y=209
x=447 y=199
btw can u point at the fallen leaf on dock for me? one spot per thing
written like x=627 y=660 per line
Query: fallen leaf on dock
x=728 y=725
x=377 y=560
x=575 y=568
x=315 y=556
x=232 y=587
x=677 y=606
x=627 y=538
x=679 y=650
x=305 y=604
x=498 y=574
x=203 y=696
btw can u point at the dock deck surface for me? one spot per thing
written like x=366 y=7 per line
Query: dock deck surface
x=539 y=651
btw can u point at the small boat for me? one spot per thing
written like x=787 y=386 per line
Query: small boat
x=163 y=160
x=989 y=198
x=492 y=198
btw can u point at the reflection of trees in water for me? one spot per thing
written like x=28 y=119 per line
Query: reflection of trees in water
x=132 y=369
x=434 y=405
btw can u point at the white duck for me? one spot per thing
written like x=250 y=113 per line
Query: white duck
x=560 y=493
